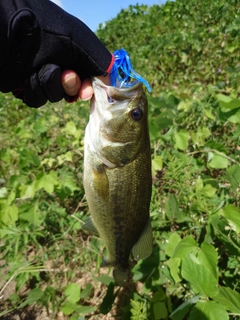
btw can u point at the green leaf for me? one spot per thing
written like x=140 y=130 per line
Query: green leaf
x=159 y=310
x=232 y=48
x=200 y=136
x=40 y=125
x=72 y=292
x=229 y=299
x=71 y=130
x=65 y=157
x=233 y=215
x=173 y=240
x=87 y=291
x=181 y=139
x=76 y=317
x=233 y=176
x=172 y=208
x=210 y=144
x=186 y=246
x=68 y=307
x=48 y=161
x=153 y=131
x=174 y=266
x=235 y=118
x=208 y=191
x=182 y=310
x=158 y=305
x=84 y=310
x=27 y=191
x=8 y=214
x=145 y=268
x=159 y=295
x=33 y=296
x=219 y=225
x=46 y=181
x=157 y=164
x=138 y=310
x=199 y=185
x=208 y=310
x=227 y=103
x=3 y=192
x=11 y=197
x=217 y=161
x=208 y=114
x=199 y=277
x=31 y=213
x=184 y=105
x=208 y=257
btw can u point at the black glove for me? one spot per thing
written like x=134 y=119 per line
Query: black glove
x=38 y=41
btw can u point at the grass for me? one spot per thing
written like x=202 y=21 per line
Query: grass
x=45 y=254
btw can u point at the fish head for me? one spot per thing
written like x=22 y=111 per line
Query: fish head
x=118 y=126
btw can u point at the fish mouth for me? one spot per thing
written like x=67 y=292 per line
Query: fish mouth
x=115 y=93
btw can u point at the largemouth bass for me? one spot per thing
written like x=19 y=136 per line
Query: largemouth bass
x=117 y=174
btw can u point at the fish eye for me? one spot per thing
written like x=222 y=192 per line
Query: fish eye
x=137 y=114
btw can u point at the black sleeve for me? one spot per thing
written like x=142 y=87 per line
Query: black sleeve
x=38 y=40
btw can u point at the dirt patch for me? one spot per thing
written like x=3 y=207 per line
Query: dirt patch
x=36 y=312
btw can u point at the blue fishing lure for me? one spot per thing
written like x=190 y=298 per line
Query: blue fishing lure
x=122 y=71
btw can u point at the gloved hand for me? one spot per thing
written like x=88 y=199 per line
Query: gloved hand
x=39 y=40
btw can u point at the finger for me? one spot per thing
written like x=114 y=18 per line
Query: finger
x=86 y=90
x=71 y=82
x=42 y=86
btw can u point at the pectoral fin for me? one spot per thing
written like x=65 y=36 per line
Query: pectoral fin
x=143 y=247
x=89 y=226
x=100 y=183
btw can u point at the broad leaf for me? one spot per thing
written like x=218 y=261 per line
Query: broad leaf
x=233 y=176
x=172 y=209
x=31 y=213
x=8 y=214
x=233 y=215
x=208 y=257
x=173 y=240
x=182 y=310
x=181 y=138
x=174 y=266
x=218 y=162
x=68 y=307
x=229 y=299
x=72 y=292
x=186 y=246
x=199 y=277
x=157 y=164
x=208 y=310
x=227 y=103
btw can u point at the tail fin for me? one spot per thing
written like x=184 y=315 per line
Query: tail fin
x=121 y=276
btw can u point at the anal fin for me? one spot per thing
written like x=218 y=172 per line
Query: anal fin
x=143 y=247
x=105 y=263
x=89 y=226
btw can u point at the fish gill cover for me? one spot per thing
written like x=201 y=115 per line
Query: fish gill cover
x=123 y=73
